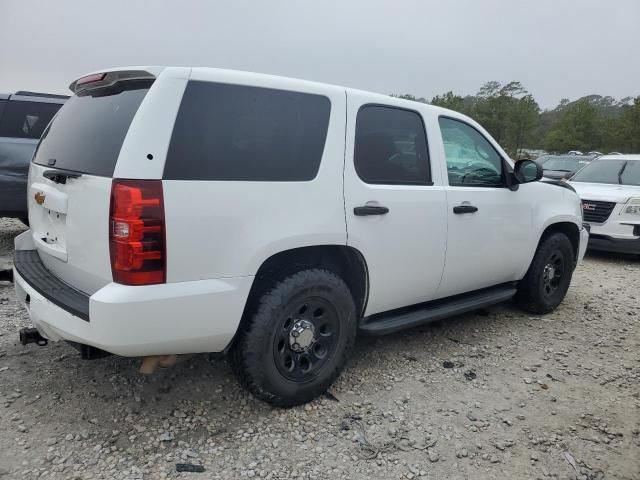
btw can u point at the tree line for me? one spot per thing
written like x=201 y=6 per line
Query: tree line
x=514 y=118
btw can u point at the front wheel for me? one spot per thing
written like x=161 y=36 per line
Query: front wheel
x=296 y=341
x=546 y=283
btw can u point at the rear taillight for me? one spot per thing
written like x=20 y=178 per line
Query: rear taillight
x=136 y=232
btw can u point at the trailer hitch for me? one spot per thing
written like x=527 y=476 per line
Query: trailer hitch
x=32 y=335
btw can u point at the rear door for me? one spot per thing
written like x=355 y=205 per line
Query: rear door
x=71 y=176
x=396 y=215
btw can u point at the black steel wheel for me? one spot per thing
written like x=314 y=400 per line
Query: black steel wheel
x=307 y=338
x=297 y=339
x=546 y=282
x=553 y=272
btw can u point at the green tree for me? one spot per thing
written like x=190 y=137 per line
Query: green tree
x=408 y=96
x=523 y=118
x=494 y=104
x=508 y=112
x=451 y=101
x=578 y=128
x=629 y=127
x=514 y=119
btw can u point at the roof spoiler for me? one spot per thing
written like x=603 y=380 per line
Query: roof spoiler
x=107 y=79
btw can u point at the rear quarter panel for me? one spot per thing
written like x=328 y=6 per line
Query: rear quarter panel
x=218 y=229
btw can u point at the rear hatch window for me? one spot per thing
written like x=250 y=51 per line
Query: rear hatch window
x=87 y=134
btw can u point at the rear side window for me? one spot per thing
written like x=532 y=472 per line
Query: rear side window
x=87 y=134
x=234 y=132
x=391 y=147
x=2 y=104
x=26 y=119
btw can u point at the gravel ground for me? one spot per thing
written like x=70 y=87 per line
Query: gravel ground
x=498 y=394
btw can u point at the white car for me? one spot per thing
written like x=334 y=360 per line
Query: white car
x=181 y=210
x=610 y=191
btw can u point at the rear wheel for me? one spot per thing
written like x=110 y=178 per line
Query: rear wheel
x=546 y=283
x=296 y=341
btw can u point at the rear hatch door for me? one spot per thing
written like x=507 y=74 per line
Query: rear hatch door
x=71 y=176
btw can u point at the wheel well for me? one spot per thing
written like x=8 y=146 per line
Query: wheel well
x=569 y=229
x=346 y=262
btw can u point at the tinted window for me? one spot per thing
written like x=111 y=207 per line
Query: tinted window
x=26 y=119
x=88 y=133
x=471 y=159
x=234 y=132
x=391 y=146
x=2 y=104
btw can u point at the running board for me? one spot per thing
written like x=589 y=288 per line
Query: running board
x=395 y=320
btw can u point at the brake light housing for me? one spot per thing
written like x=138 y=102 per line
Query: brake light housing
x=137 y=232
x=96 y=77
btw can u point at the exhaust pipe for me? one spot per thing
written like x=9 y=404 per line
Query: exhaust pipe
x=32 y=335
x=149 y=364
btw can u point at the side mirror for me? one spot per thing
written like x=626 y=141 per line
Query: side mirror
x=526 y=171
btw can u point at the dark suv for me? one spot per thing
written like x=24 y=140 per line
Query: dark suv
x=23 y=118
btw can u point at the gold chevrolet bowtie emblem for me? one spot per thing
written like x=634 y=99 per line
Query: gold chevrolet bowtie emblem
x=39 y=196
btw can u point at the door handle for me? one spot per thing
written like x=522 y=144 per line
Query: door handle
x=465 y=209
x=367 y=210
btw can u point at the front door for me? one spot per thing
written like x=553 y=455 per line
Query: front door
x=396 y=216
x=489 y=225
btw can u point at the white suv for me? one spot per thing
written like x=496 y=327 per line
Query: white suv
x=179 y=210
x=610 y=191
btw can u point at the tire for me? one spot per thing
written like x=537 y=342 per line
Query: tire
x=546 y=283
x=313 y=307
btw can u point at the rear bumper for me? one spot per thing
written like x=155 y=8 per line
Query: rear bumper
x=186 y=317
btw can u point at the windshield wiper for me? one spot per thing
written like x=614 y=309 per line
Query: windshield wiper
x=621 y=172
x=60 y=176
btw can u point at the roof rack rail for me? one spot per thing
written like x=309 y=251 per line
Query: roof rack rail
x=25 y=93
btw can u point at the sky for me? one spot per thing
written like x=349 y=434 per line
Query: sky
x=556 y=48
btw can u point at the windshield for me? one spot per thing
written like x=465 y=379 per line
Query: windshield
x=616 y=172
x=564 y=164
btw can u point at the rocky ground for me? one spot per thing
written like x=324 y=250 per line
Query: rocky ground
x=497 y=394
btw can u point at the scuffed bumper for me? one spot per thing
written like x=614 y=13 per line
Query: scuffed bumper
x=185 y=317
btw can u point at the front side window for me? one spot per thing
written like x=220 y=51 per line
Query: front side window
x=391 y=147
x=26 y=119
x=240 y=133
x=471 y=159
